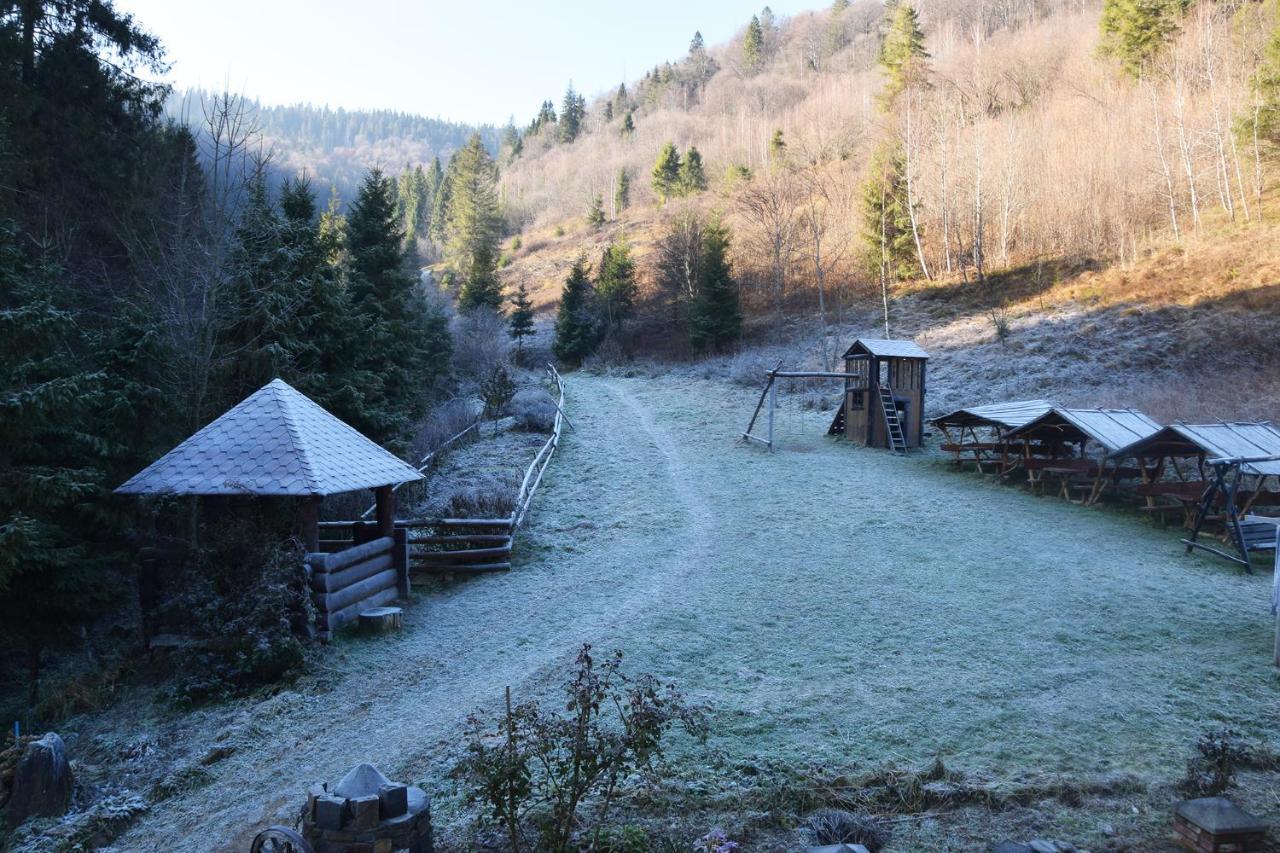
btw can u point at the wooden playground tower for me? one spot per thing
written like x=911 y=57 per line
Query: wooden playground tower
x=883 y=401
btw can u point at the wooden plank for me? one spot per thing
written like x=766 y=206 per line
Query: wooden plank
x=450 y=556
x=358 y=554
x=463 y=568
x=760 y=402
x=358 y=591
x=338 y=618
x=466 y=538
x=339 y=580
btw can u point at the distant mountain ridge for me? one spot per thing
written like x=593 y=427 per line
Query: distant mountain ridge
x=336 y=146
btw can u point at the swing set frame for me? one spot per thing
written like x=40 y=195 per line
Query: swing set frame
x=771 y=393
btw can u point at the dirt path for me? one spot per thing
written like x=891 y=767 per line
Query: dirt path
x=830 y=602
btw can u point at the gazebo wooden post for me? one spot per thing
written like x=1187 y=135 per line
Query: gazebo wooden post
x=308 y=516
x=385 y=501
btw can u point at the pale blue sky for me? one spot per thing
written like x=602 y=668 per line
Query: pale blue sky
x=467 y=60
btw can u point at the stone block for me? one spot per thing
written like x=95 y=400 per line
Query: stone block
x=364 y=811
x=330 y=813
x=394 y=800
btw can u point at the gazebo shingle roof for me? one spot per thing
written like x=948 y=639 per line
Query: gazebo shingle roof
x=275 y=442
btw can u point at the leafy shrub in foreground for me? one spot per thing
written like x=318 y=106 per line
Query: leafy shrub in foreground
x=532 y=765
x=1212 y=770
x=837 y=826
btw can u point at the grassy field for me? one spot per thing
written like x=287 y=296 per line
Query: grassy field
x=831 y=604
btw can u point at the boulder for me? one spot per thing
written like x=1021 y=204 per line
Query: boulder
x=42 y=781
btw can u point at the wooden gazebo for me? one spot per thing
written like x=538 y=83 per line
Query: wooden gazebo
x=279 y=443
x=884 y=394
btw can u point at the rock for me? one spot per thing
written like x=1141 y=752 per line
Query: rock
x=42 y=781
x=1107 y=830
x=1010 y=847
x=1039 y=845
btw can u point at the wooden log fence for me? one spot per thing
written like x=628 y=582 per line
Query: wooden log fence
x=430 y=459
x=453 y=546
x=362 y=577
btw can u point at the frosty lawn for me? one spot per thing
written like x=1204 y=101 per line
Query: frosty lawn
x=828 y=602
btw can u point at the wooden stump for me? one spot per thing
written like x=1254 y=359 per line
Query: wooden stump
x=382 y=620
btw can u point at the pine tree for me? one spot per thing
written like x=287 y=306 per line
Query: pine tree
x=608 y=111
x=697 y=45
x=621 y=99
x=753 y=45
x=715 y=316
x=692 y=177
x=520 y=321
x=622 y=190
x=839 y=6
x=577 y=332
x=666 y=172
x=616 y=285
x=482 y=287
x=902 y=55
x=595 y=213
x=628 y=124
x=572 y=112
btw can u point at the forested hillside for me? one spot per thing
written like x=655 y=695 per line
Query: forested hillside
x=335 y=147
x=859 y=148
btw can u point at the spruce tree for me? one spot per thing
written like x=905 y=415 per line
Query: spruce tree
x=473 y=225
x=839 y=6
x=666 y=172
x=902 y=55
x=405 y=344
x=572 y=112
x=715 y=316
x=577 y=331
x=52 y=581
x=622 y=190
x=628 y=124
x=595 y=212
x=753 y=45
x=520 y=321
x=616 y=285
x=1268 y=91
x=1136 y=31
x=692 y=177
x=777 y=148
x=886 y=218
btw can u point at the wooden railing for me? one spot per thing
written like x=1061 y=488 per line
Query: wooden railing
x=533 y=475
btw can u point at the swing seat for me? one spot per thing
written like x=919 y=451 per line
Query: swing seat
x=1258 y=532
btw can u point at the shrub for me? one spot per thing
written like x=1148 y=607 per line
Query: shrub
x=1212 y=770
x=445 y=421
x=246 y=612
x=480 y=343
x=492 y=497
x=533 y=764
x=716 y=841
x=837 y=826
x=534 y=411
x=496 y=391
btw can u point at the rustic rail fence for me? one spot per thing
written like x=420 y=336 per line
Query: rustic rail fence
x=460 y=546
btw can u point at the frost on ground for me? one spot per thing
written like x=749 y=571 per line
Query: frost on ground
x=832 y=605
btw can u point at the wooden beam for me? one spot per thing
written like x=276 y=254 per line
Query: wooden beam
x=385 y=505
x=308 y=520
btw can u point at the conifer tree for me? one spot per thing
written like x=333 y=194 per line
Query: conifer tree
x=622 y=190
x=1135 y=31
x=520 y=321
x=473 y=225
x=52 y=582
x=616 y=285
x=839 y=6
x=608 y=111
x=753 y=45
x=628 y=124
x=887 y=221
x=777 y=148
x=595 y=213
x=666 y=172
x=572 y=112
x=902 y=54
x=692 y=177
x=577 y=331
x=405 y=343
x=715 y=316
x=1268 y=90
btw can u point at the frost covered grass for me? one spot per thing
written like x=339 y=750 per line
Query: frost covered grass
x=833 y=606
